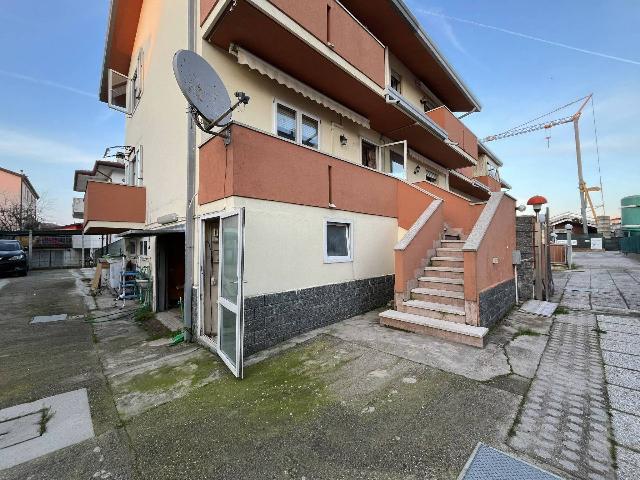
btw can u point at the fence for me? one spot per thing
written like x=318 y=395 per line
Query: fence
x=630 y=244
x=558 y=254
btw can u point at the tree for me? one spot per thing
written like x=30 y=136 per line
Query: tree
x=15 y=215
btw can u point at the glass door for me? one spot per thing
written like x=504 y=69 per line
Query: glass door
x=230 y=295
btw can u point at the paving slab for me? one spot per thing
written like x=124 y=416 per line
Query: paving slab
x=578 y=319
x=623 y=377
x=622 y=360
x=626 y=429
x=627 y=329
x=628 y=464
x=563 y=421
x=624 y=399
x=615 y=336
x=524 y=354
x=68 y=422
x=607 y=343
x=539 y=307
x=49 y=318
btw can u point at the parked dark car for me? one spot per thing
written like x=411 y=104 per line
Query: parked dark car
x=12 y=258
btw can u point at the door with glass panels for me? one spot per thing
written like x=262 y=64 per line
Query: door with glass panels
x=230 y=295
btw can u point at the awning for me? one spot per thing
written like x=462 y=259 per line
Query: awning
x=247 y=58
x=152 y=232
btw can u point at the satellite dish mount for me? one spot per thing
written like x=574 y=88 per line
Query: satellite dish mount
x=209 y=102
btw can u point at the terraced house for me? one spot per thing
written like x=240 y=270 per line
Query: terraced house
x=347 y=182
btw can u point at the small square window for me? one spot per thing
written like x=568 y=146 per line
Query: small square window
x=338 y=242
x=286 y=123
x=396 y=82
x=309 y=132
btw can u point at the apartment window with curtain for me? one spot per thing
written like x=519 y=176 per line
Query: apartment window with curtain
x=297 y=126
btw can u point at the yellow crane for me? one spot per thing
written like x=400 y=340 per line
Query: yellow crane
x=527 y=127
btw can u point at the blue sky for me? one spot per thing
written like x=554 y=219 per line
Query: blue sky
x=52 y=123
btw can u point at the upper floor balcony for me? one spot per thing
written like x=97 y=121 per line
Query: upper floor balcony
x=113 y=208
x=329 y=51
x=456 y=130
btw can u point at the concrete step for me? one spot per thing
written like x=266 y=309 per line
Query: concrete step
x=444 y=272
x=439 y=311
x=449 y=252
x=439 y=283
x=446 y=297
x=452 y=243
x=455 y=332
x=447 y=262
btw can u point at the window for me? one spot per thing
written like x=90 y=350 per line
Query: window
x=297 y=127
x=369 y=154
x=337 y=241
x=397 y=164
x=131 y=248
x=124 y=93
x=286 y=123
x=133 y=168
x=396 y=82
x=431 y=176
x=143 y=248
x=309 y=132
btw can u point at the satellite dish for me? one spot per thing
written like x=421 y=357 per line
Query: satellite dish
x=202 y=87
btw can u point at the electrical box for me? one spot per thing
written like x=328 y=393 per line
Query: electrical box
x=516 y=257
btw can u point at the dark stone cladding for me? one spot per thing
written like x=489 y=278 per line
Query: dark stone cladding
x=524 y=243
x=274 y=318
x=496 y=301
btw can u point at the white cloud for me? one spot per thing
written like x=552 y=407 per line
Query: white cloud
x=35 y=147
x=440 y=21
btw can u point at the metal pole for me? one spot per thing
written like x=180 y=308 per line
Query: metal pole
x=569 y=249
x=30 y=246
x=82 y=250
x=189 y=231
x=581 y=184
x=538 y=258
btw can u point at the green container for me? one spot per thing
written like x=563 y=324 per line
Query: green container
x=630 y=217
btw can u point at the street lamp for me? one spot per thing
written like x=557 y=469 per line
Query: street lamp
x=537 y=201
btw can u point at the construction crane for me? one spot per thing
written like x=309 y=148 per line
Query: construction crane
x=528 y=128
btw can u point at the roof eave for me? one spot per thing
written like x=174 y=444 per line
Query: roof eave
x=430 y=45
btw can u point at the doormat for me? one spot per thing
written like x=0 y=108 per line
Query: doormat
x=487 y=463
x=48 y=318
x=538 y=307
x=30 y=430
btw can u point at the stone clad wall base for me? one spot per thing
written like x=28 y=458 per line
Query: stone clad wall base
x=495 y=302
x=524 y=243
x=274 y=318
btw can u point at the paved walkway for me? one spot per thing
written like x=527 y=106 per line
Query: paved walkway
x=574 y=418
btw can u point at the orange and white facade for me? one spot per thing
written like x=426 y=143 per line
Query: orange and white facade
x=16 y=189
x=341 y=178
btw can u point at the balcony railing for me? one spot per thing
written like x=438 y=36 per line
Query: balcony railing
x=113 y=207
x=456 y=130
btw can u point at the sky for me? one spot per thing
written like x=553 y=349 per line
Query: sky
x=520 y=59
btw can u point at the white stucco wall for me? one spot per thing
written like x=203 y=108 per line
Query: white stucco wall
x=284 y=245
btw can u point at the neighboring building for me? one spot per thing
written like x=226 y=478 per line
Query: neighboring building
x=341 y=181
x=559 y=222
x=17 y=190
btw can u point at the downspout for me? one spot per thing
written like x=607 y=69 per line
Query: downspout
x=189 y=231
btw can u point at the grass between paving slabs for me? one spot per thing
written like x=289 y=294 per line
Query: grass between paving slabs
x=47 y=415
x=526 y=331
x=561 y=311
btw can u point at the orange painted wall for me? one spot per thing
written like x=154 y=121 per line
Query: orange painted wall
x=490 y=182
x=409 y=259
x=456 y=130
x=109 y=202
x=206 y=6
x=257 y=165
x=499 y=242
x=10 y=186
x=458 y=212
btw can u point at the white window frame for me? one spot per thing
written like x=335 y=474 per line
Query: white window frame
x=139 y=167
x=126 y=109
x=334 y=259
x=299 y=113
x=393 y=73
x=132 y=99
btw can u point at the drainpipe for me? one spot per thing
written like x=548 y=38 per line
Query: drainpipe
x=189 y=231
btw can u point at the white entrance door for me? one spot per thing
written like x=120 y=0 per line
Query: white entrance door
x=230 y=295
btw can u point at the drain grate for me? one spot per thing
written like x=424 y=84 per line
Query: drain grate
x=487 y=463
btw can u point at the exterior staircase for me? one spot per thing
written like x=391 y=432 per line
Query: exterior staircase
x=437 y=307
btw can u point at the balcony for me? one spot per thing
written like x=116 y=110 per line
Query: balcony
x=262 y=166
x=113 y=208
x=456 y=130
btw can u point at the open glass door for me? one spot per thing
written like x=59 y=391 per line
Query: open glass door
x=230 y=295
